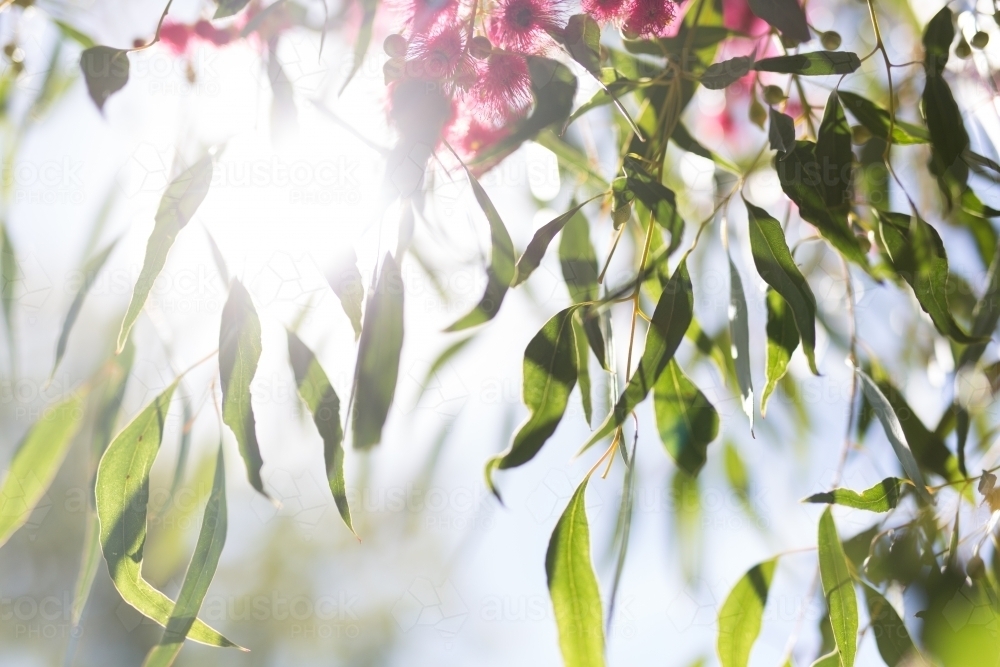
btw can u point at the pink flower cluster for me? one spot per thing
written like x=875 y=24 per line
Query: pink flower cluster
x=179 y=37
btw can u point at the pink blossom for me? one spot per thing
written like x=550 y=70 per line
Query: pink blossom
x=649 y=18
x=606 y=10
x=441 y=56
x=503 y=91
x=523 y=25
x=176 y=36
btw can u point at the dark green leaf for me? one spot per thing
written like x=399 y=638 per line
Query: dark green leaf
x=742 y=613
x=179 y=202
x=583 y=367
x=228 y=8
x=882 y=497
x=656 y=198
x=739 y=334
x=776 y=266
x=949 y=139
x=728 y=72
x=986 y=314
x=685 y=418
x=105 y=69
x=877 y=120
x=785 y=15
x=576 y=599
x=579 y=269
x=239 y=352
x=539 y=243
x=324 y=404
x=938 y=36
x=781 y=131
x=782 y=339
x=350 y=289
x=817 y=63
x=89 y=271
x=893 y=639
x=378 y=356
x=834 y=155
x=838 y=588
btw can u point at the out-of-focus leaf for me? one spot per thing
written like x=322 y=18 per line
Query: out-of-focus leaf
x=582 y=38
x=685 y=418
x=726 y=73
x=443 y=358
x=877 y=121
x=69 y=31
x=949 y=139
x=688 y=522
x=122 y=498
x=89 y=271
x=350 y=289
x=220 y=261
x=828 y=660
x=179 y=202
x=894 y=432
x=550 y=373
x=777 y=267
x=324 y=404
x=200 y=572
x=227 y=8
x=937 y=39
x=583 y=368
x=739 y=333
x=658 y=199
x=781 y=131
x=784 y=15
x=891 y=636
x=579 y=269
x=834 y=155
x=37 y=460
x=239 y=352
x=838 y=588
x=9 y=274
x=782 y=339
x=539 y=243
x=974 y=215
x=105 y=69
x=882 y=497
x=986 y=313
x=572 y=159
x=667 y=327
x=364 y=37
x=499 y=273
x=816 y=63
x=576 y=598
x=742 y=613
x=918 y=256
x=738 y=477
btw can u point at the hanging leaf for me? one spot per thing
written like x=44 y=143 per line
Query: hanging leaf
x=378 y=356
x=369 y=8
x=177 y=206
x=949 y=139
x=828 y=660
x=891 y=636
x=583 y=368
x=782 y=339
x=877 y=121
x=817 y=63
x=742 y=613
x=37 y=460
x=579 y=269
x=539 y=243
x=834 y=155
x=781 y=131
x=582 y=39
x=784 y=15
x=349 y=287
x=200 y=572
x=550 y=373
x=937 y=39
x=239 y=352
x=671 y=318
x=656 y=198
x=685 y=418
x=122 y=498
x=315 y=389
x=776 y=266
x=220 y=261
x=105 y=69
x=739 y=333
x=894 y=432
x=986 y=314
x=726 y=73
x=838 y=588
x=501 y=270
x=882 y=497
x=576 y=598
x=227 y=8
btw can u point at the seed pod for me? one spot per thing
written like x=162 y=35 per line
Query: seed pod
x=395 y=46
x=393 y=70
x=758 y=114
x=975 y=568
x=773 y=95
x=830 y=40
x=481 y=47
x=980 y=40
x=963 y=50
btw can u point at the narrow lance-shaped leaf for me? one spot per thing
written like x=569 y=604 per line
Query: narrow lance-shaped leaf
x=378 y=357
x=37 y=460
x=550 y=373
x=742 y=613
x=499 y=273
x=986 y=314
x=539 y=243
x=324 y=404
x=200 y=573
x=667 y=327
x=816 y=63
x=9 y=274
x=838 y=588
x=178 y=204
x=882 y=497
x=227 y=8
x=739 y=333
x=350 y=289
x=782 y=339
x=583 y=368
x=894 y=432
x=781 y=131
x=576 y=599
x=777 y=267
x=105 y=69
x=239 y=352
x=891 y=636
x=834 y=155
x=369 y=9
x=579 y=269
x=220 y=261
x=726 y=73
x=685 y=418
x=785 y=15
x=877 y=120
x=657 y=199
x=122 y=499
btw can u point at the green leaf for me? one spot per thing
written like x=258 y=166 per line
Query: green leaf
x=685 y=418
x=500 y=273
x=671 y=319
x=37 y=460
x=834 y=154
x=949 y=139
x=583 y=368
x=893 y=639
x=10 y=272
x=200 y=572
x=877 y=120
x=324 y=404
x=882 y=497
x=739 y=333
x=362 y=41
x=539 y=243
x=817 y=63
x=122 y=498
x=227 y=8
x=776 y=266
x=239 y=352
x=89 y=271
x=89 y=562
x=986 y=314
x=550 y=373
x=105 y=69
x=656 y=198
x=576 y=598
x=350 y=289
x=918 y=256
x=178 y=204
x=838 y=588
x=938 y=36
x=829 y=660
x=217 y=258
x=738 y=477
x=742 y=613
x=378 y=356
x=582 y=39
x=782 y=339
x=894 y=432
x=781 y=131
x=72 y=33
x=784 y=15
x=726 y=73
x=579 y=269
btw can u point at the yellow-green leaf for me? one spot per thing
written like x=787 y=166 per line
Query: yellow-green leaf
x=882 y=497
x=742 y=614
x=685 y=418
x=782 y=339
x=891 y=636
x=838 y=588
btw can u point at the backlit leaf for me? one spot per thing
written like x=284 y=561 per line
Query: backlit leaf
x=893 y=639
x=656 y=198
x=877 y=120
x=739 y=334
x=784 y=15
x=105 y=69
x=728 y=72
x=986 y=313
x=838 y=588
x=539 y=243
x=685 y=418
x=834 y=154
x=782 y=339
x=882 y=497
x=781 y=131
x=583 y=368
x=816 y=63
x=364 y=37
x=350 y=289
x=579 y=269
x=742 y=613
x=582 y=39
x=89 y=271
